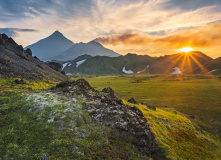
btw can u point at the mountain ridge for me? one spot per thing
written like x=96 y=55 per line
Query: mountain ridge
x=50 y=46
x=138 y=64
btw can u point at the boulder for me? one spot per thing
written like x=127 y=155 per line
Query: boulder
x=132 y=100
x=28 y=52
x=54 y=65
x=63 y=72
x=83 y=84
x=64 y=84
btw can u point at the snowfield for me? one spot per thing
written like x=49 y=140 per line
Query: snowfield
x=64 y=65
x=127 y=71
x=80 y=62
x=176 y=70
x=144 y=69
x=214 y=70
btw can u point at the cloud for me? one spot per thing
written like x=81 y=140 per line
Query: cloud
x=13 y=32
x=199 y=38
x=84 y=20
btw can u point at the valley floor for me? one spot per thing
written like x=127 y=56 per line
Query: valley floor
x=38 y=124
x=197 y=96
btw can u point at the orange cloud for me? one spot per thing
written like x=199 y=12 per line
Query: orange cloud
x=206 y=36
x=199 y=38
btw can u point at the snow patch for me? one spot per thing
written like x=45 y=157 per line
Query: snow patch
x=80 y=62
x=176 y=70
x=214 y=70
x=127 y=71
x=64 y=65
x=144 y=69
x=68 y=74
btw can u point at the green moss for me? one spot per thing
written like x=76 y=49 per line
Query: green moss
x=180 y=138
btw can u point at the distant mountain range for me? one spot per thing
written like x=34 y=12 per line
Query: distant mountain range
x=50 y=46
x=191 y=63
x=58 y=47
x=93 y=58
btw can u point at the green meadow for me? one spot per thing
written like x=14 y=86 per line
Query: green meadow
x=28 y=130
x=198 y=96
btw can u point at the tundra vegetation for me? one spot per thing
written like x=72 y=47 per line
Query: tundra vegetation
x=37 y=124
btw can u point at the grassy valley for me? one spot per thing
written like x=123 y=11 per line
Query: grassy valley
x=31 y=119
x=196 y=95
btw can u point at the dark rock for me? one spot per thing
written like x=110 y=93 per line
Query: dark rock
x=132 y=100
x=128 y=122
x=54 y=65
x=36 y=58
x=4 y=36
x=20 y=48
x=110 y=91
x=2 y=41
x=10 y=40
x=63 y=72
x=83 y=84
x=28 y=52
x=63 y=84
x=107 y=109
x=17 y=81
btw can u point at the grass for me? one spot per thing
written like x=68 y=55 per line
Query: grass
x=8 y=84
x=36 y=123
x=198 y=95
x=45 y=124
x=180 y=138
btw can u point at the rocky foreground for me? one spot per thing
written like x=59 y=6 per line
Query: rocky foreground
x=107 y=109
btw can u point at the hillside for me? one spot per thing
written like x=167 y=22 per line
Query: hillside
x=213 y=67
x=92 y=48
x=19 y=63
x=50 y=46
x=108 y=65
x=141 y=64
x=179 y=63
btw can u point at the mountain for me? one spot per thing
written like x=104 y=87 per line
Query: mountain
x=18 y=63
x=50 y=46
x=179 y=63
x=138 y=64
x=213 y=66
x=92 y=48
x=130 y=63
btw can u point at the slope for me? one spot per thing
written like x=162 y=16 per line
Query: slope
x=179 y=63
x=19 y=63
x=108 y=65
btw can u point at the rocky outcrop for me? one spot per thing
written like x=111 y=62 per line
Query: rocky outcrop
x=107 y=109
x=132 y=100
x=56 y=66
x=18 y=63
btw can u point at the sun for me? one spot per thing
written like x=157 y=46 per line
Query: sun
x=186 y=49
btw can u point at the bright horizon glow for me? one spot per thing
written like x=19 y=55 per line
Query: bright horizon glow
x=186 y=49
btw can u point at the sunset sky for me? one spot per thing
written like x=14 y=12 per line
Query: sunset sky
x=153 y=27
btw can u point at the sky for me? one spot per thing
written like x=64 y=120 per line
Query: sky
x=152 y=27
